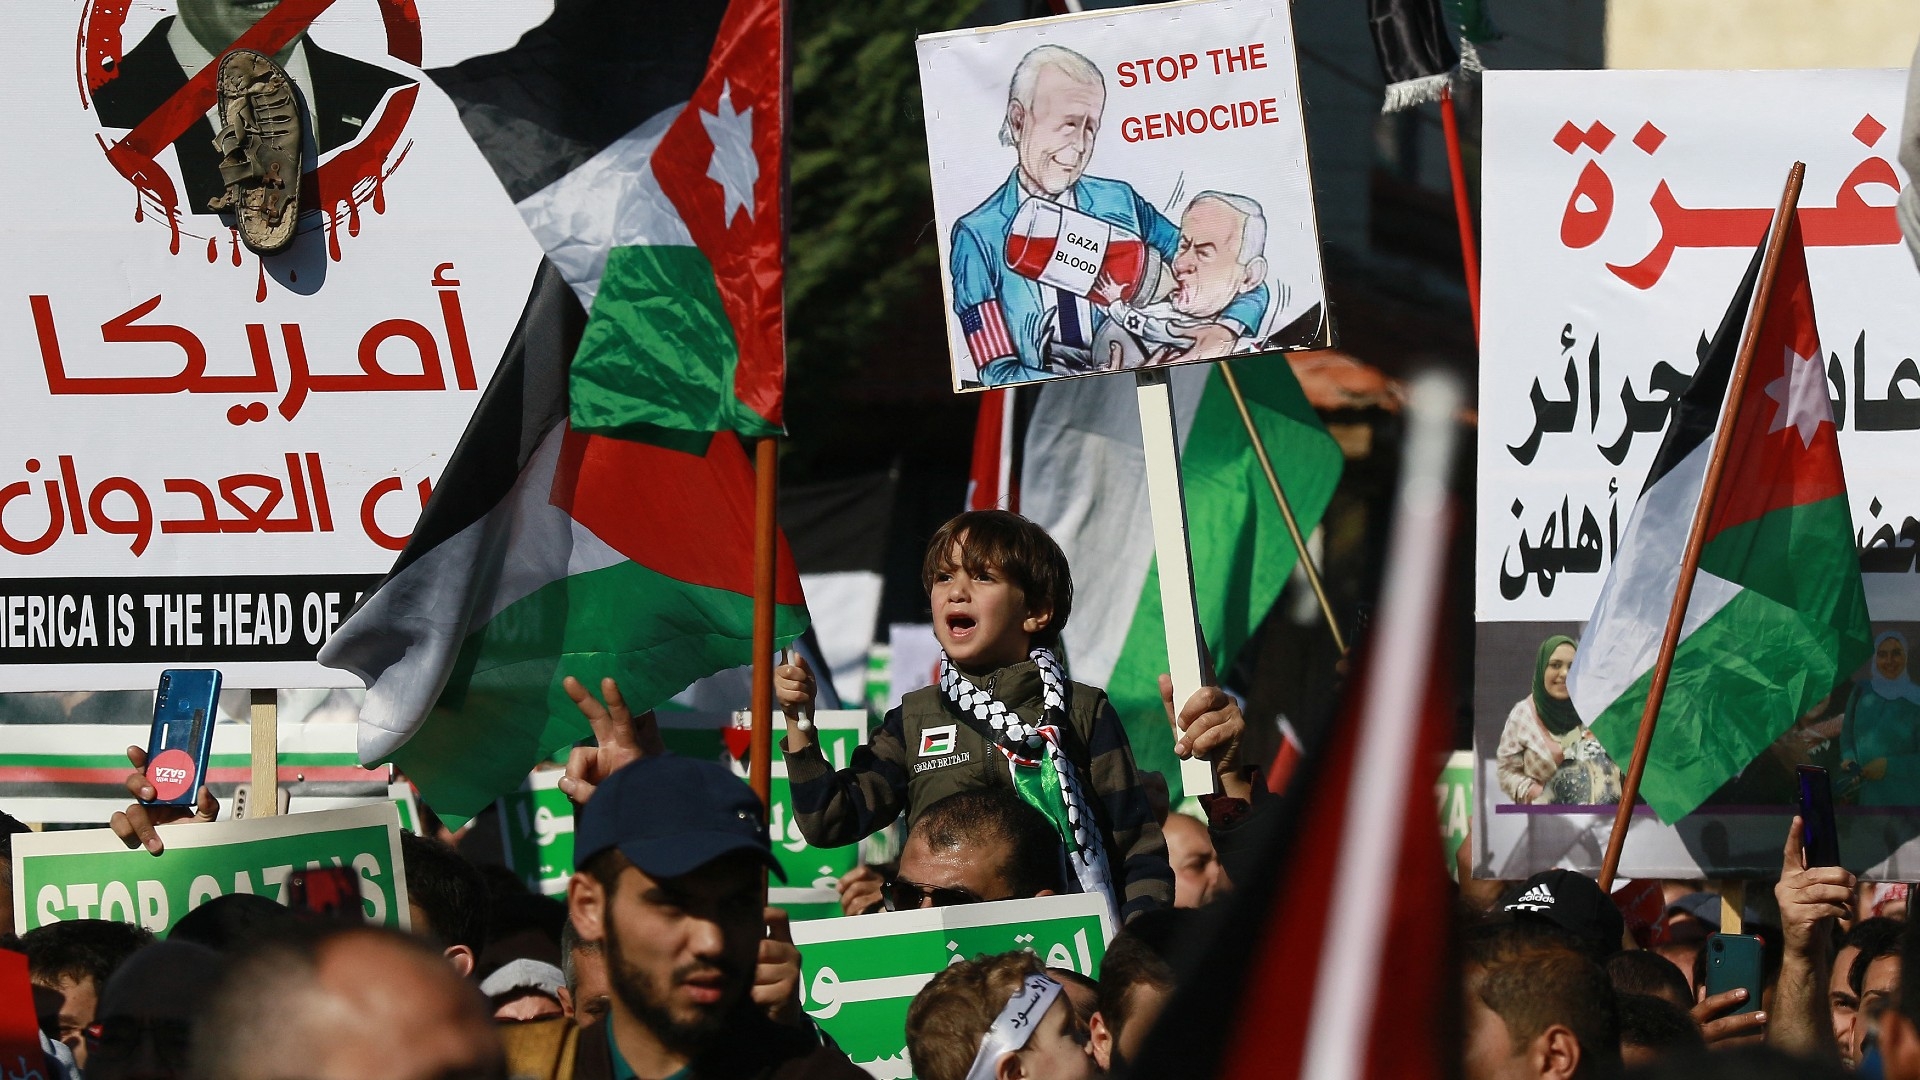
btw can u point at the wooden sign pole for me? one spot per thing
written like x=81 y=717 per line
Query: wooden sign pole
x=265 y=759
x=1160 y=440
x=765 y=547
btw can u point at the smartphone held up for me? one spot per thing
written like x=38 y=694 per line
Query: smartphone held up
x=184 y=710
x=1819 y=835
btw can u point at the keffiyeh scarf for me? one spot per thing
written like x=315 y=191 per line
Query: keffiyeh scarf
x=1041 y=771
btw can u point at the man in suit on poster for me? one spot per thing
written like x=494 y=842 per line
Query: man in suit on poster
x=1016 y=328
x=339 y=95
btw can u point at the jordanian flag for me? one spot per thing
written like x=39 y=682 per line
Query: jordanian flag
x=642 y=144
x=1777 y=615
x=549 y=550
x=1083 y=483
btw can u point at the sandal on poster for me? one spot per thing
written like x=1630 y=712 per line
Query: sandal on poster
x=259 y=144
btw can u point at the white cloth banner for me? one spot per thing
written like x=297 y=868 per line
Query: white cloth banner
x=1621 y=208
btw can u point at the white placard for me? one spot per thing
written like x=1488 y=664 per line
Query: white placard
x=1121 y=188
x=1621 y=208
x=210 y=453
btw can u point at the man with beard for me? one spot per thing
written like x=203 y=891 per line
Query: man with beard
x=668 y=855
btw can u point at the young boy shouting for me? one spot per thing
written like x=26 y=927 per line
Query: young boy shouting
x=1000 y=714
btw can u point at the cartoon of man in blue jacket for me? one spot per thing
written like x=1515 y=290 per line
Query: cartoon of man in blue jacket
x=1016 y=328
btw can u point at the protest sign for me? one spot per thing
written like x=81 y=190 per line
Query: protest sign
x=1121 y=189
x=536 y=829
x=215 y=453
x=406 y=804
x=1621 y=208
x=76 y=773
x=93 y=875
x=859 y=974
x=1453 y=791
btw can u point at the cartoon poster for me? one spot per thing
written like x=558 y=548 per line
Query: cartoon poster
x=1621 y=209
x=210 y=453
x=1121 y=189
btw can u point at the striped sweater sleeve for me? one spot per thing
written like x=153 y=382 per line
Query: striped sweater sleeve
x=1138 y=849
x=840 y=808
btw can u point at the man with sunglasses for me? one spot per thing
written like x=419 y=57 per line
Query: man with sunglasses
x=969 y=848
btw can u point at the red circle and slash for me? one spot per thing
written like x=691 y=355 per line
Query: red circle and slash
x=355 y=174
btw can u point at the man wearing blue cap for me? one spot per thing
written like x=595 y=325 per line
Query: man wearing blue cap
x=668 y=855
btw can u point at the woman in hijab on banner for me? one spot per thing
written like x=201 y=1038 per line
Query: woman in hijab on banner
x=1880 y=746
x=1546 y=754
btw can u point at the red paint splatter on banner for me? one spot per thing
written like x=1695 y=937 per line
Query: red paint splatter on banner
x=150 y=180
x=101 y=45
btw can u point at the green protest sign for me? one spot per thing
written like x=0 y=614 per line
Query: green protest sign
x=92 y=875
x=859 y=974
x=406 y=804
x=536 y=828
x=811 y=872
x=1454 y=790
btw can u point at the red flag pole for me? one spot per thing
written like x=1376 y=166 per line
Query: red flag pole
x=1462 y=206
x=766 y=489
x=1697 y=534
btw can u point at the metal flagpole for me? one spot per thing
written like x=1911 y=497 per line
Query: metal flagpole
x=1462 y=207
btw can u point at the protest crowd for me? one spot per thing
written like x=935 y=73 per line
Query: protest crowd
x=663 y=961
x=1230 y=910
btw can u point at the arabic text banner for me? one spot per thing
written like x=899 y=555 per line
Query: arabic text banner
x=1621 y=208
x=859 y=974
x=92 y=875
x=211 y=453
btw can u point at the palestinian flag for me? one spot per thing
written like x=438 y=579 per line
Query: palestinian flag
x=643 y=146
x=545 y=553
x=1082 y=483
x=1777 y=615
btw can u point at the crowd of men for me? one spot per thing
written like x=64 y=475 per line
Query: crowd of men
x=664 y=962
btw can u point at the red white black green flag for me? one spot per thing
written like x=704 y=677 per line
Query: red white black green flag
x=1777 y=615
x=550 y=548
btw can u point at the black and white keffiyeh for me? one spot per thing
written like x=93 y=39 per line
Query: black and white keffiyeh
x=1036 y=747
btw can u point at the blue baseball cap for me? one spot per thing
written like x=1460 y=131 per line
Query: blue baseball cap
x=671 y=815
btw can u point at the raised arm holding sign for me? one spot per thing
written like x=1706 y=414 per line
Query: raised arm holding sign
x=1067 y=266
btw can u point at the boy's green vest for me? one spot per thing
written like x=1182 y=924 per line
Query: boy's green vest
x=946 y=754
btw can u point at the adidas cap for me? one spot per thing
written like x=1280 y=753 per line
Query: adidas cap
x=1573 y=904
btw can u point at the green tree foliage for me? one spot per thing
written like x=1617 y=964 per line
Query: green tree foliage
x=862 y=256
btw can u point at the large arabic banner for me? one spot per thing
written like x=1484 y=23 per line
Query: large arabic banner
x=1121 y=189
x=210 y=453
x=1621 y=208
